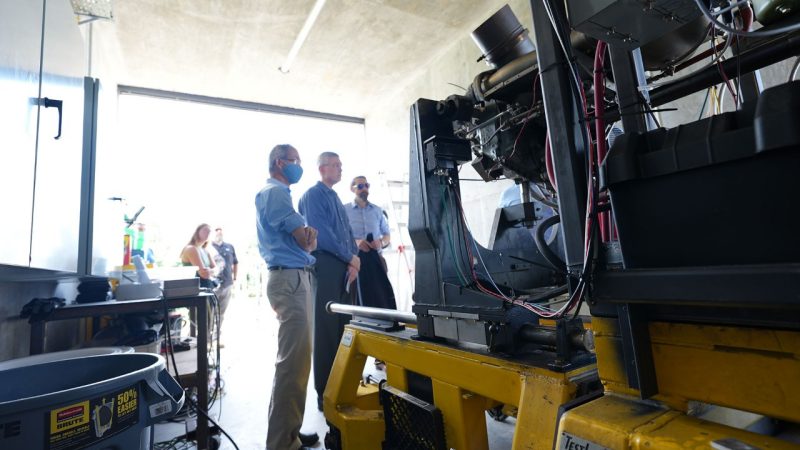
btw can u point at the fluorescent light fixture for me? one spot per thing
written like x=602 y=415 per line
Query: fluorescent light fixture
x=95 y=9
x=301 y=37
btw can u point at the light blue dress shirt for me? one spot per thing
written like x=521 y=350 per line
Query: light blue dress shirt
x=364 y=221
x=275 y=221
x=324 y=211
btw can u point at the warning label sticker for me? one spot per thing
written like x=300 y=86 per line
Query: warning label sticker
x=84 y=423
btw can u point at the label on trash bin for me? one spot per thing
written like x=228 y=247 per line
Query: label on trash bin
x=84 y=423
x=160 y=408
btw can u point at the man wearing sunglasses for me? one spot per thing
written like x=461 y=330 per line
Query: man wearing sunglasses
x=371 y=233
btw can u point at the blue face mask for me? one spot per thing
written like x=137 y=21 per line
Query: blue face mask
x=292 y=172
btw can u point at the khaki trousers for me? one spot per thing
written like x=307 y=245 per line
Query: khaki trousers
x=289 y=293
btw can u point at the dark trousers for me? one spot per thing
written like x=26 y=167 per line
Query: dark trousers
x=373 y=283
x=328 y=328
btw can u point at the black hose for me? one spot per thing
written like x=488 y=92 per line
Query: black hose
x=544 y=249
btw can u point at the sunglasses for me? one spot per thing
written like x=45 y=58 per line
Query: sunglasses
x=361 y=185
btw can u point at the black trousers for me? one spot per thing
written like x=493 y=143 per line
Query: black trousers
x=328 y=328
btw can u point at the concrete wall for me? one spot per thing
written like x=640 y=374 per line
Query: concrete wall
x=387 y=125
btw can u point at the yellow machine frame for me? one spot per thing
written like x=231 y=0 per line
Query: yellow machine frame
x=748 y=369
x=465 y=384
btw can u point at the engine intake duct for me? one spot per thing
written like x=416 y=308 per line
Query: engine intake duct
x=502 y=38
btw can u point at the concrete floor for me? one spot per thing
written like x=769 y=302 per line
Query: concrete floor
x=248 y=358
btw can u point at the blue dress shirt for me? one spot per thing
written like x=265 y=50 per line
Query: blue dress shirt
x=324 y=211
x=364 y=221
x=275 y=221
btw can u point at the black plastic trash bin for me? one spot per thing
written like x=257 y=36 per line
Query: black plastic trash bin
x=96 y=402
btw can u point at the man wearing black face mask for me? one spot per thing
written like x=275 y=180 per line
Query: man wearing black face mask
x=286 y=243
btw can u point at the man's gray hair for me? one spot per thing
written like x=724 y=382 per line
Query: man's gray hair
x=324 y=157
x=280 y=151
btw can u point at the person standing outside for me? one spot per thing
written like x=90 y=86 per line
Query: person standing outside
x=336 y=266
x=371 y=233
x=229 y=263
x=285 y=243
x=195 y=253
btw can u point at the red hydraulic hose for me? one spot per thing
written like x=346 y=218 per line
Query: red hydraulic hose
x=599 y=125
x=746 y=12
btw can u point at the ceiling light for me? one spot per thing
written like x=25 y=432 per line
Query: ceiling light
x=94 y=9
x=301 y=37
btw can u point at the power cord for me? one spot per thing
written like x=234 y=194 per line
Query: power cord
x=175 y=365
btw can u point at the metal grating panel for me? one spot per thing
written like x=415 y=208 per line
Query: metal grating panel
x=411 y=424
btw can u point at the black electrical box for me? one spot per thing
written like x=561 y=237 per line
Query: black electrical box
x=442 y=151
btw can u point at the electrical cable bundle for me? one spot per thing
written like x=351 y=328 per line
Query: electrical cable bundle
x=471 y=276
x=193 y=407
x=712 y=16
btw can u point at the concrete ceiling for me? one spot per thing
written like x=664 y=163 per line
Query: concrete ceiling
x=358 y=52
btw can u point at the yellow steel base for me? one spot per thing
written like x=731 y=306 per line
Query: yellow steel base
x=749 y=369
x=616 y=422
x=465 y=384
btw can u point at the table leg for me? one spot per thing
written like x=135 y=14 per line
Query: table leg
x=202 y=374
x=37 y=337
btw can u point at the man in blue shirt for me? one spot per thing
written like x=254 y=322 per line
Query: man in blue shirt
x=227 y=260
x=371 y=233
x=336 y=266
x=285 y=243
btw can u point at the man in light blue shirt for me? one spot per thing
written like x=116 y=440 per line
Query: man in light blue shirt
x=366 y=218
x=371 y=233
x=285 y=243
x=336 y=267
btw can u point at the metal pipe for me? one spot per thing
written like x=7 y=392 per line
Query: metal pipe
x=580 y=339
x=756 y=58
x=766 y=54
x=375 y=313
x=507 y=72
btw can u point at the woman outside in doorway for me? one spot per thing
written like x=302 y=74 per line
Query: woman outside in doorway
x=196 y=254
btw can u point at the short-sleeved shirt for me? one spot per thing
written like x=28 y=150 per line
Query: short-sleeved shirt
x=275 y=221
x=364 y=221
x=324 y=211
x=228 y=255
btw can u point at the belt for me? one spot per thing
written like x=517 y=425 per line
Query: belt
x=279 y=268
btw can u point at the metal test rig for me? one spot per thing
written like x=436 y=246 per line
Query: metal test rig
x=680 y=243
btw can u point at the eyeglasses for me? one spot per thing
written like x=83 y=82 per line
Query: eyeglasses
x=361 y=185
x=292 y=160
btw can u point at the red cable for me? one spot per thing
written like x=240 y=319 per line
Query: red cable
x=746 y=12
x=599 y=124
x=728 y=83
x=533 y=103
